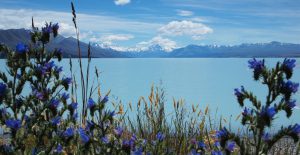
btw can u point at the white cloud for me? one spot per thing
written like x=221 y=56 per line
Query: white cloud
x=14 y=19
x=184 y=13
x=122 y=2
x=117 y=37
x=198 y=19
x=67 y=29
x=108 y=40
x=185 y=28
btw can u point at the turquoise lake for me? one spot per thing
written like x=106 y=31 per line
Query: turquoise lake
x=203 y=81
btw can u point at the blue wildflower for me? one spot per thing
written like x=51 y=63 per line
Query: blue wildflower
x=230 y=146
x=125 y=143
x=194 y=152
x=19 y=102
x=129 y=144
x=65 y=96
x=58 y=69
x=41 y=70
x=21 y=48
x=238 y=92
x=160 y=136
x=54 y=103
x=138 y=151
x=47 y=29
x=289 y=63
x=216 y=153
x=133 y=137
x=296 y=129
x=13 y=124
x=34 y=151
x=118 y=131
x=247 y=112
x=110 y=113
x=291 y=104
x=257 y=65
x=59 y=149
x=39 y=95
x=266 y=136
x=75 y=116
x=3 y=112
x=55 y=27
x=73 y=105
x=105 y=140
x=90 y=125
x=271 y=112
x=69 y=132
x=144 y=141
x=83 y=136
x=2 y=89
x=59 y=51
x=217 y=144
x=55 y=121
x=67 y=80
x=91 y=103
x=105 y=99
x=201 y=144
x=26 y=118
x=193 y=141
x=49 y=65
x=222 y=133
x=290 y=86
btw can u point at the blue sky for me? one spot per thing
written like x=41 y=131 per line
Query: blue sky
x=138 y=24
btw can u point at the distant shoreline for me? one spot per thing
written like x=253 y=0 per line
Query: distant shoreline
x=180 y=57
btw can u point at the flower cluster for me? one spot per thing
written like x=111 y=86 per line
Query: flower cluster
x=288 y=88
x=21 y=48
x=288 y=66
x=47 y=31
x=2 y=90
x=39 y=113
x=240 y=94
x=267 y=114
x=259 y=117
x=258 y=67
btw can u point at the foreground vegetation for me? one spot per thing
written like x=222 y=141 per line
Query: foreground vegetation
x=47 y=120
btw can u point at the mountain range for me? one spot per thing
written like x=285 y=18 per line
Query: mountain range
x=68 y=45
x=12 y=37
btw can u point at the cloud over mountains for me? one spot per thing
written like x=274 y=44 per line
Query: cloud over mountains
x=184 y=13
x=122 y=2
x=185 y=28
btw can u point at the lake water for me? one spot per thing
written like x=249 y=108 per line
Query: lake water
x=203 y=81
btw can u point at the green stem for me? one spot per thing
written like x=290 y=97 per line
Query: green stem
x=259 y=141
x=14 y=94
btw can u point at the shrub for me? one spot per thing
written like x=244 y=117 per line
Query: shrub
x=34 y=96
x=258 y=117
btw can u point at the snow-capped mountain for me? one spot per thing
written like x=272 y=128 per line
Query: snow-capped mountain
x=154 y=49
x=138 y=48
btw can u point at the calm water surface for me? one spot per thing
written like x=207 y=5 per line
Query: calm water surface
x=203 y=81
